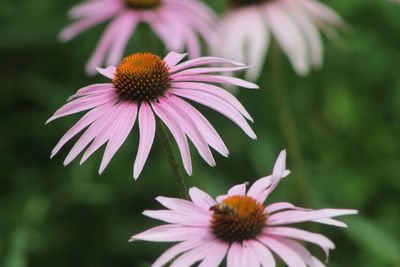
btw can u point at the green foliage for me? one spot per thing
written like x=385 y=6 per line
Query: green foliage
x=347 y=115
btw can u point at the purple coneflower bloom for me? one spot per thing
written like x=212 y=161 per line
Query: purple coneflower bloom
x=144 y=86
x=238 y=226
x=177 y=23
x=246 y=29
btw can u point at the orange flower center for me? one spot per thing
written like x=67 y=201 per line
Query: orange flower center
x=142 y=4
x=238 y=218
x=141 y=77
x=241 y=3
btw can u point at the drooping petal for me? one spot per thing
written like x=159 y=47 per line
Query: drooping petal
x=178 y=134
x=303 y=253
x=120 y=134
x=215 y=256
x=85 y=121
x=218 y=92
x=264 y=255
x=208 y=132
x=180 y=205
x=291 y=258
x=121 y=40
x=196 y=254
x=190 y=129
x=174 y=251
x=303 y=235
x=233 y=259
x=219 y=106
x=289 y=37
x=147 y=129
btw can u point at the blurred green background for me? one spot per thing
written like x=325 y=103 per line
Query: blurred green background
x=347 y=117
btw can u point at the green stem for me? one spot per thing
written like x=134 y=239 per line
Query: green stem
x=165 y=140
x=288 y=125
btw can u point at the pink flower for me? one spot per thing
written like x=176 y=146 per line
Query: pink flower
x=239 y=227
x=245 y=32
x=144 y=86
x=177 y=23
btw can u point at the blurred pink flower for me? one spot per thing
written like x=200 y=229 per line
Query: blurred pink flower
x=177 y=23
x=245 y=32
x=238 y=226
x=144 y=85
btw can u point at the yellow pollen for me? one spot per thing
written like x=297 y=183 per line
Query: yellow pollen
x=142 y=4
x=141 y=77
x=238 y=218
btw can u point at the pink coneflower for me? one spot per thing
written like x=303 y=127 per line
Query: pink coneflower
x=239 y=227
x=177 y=23
x=245 y=32
x=144 y=86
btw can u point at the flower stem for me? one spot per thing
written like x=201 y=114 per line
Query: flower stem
x=166 y=142
x=288 y=125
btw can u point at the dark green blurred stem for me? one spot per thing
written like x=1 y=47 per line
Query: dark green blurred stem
x=179 y=180
x=288 y=124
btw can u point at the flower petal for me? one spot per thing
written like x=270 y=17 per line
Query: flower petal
x=147 y=128
x=173 y=58
x=201 y=198
x=171 y=233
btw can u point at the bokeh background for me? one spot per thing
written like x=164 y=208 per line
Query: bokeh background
x=347 y=116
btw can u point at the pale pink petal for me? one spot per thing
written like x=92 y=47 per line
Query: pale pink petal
x=147 y=128
x=322 y=12
x=264 y=255
x=201 y=198
x=291 y=258
x=303 y=235
x=85 y=121
x=249 y=257
x=289 y=37
x=94 y=8
x=238 y=190
x=105 y=131
x=219 y=106
x=192 y=43
x=178 y=134
x=203 y=61
x=120 y=133
x=203 y=125
x=193 y=71
x=104 y=44
x=94 y=89
x=121 y=40
x=215 y=79
x=108 y=72
x=82 y=25
x=216 y=256
x=303 y=253
x=332 y=222
x=174 y=251
x=233 y=259
x=180 y=205
x=289 y=217
x=278 y=206
x=89 y=135
x=82 y=104
x=218 y=92
x=173 y=58
x=258 y=46
x=310 y=32
x=195 y=255
x=171 y=233
x=190 y=129
x=187 y=219
x=258 y=187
